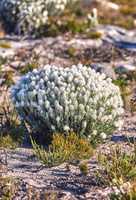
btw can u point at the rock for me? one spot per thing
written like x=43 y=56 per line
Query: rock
x=1 y=81
x=84 y=43
x=125 y=68
x=17 y=64
x=68 y=196
x=104 y=68
x=118 y=138
x=66 y=184
x=95 y=194
x=123 y=138
x=6 y=53
x=108 y=5
x=119 y=37
x=127 y=45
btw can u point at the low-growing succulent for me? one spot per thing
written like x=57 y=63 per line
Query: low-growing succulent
x=63 y=99
x=28 y=15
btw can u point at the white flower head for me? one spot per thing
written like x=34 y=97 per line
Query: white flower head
x=103 y=136
x=66 y=128
x=94 y=133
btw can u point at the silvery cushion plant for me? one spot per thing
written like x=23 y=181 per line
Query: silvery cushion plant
x=28 y=15
x=64 y=99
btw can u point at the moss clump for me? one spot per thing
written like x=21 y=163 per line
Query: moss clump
x=83 y=168
x=5 y=45
x=71 y=51
x=74 y=26
x=94 y=35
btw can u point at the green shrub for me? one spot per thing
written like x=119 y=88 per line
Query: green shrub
x=119 y=165
x=69 y=148
x=118 y=170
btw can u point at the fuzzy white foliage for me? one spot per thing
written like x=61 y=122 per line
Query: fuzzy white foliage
x=28 y=15
x=63 y=99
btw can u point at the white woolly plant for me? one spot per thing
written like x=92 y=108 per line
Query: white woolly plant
x=28 y=15
x=93 y=18
x=63 y=99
